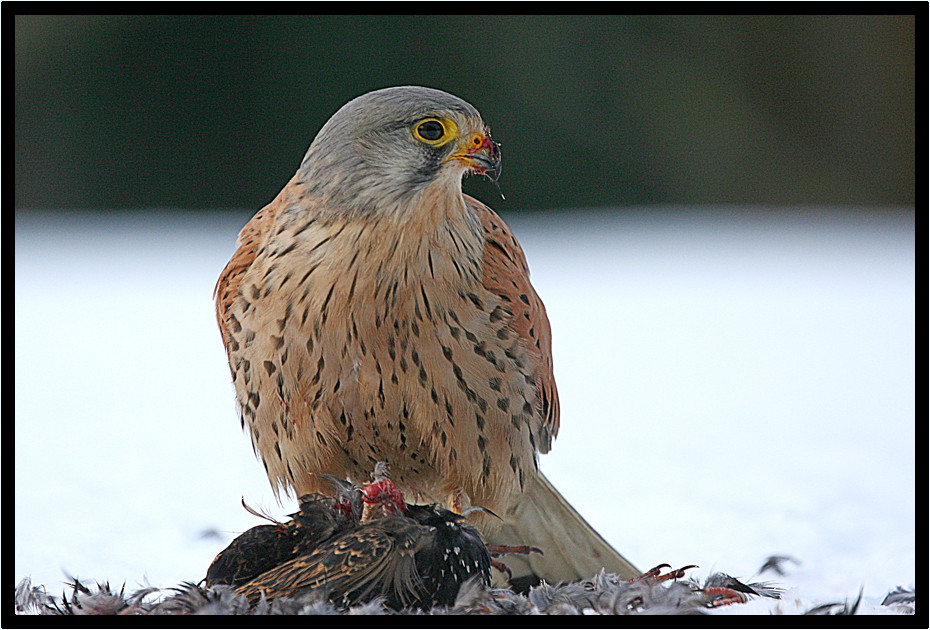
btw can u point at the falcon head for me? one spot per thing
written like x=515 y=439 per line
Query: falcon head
x=384 y=148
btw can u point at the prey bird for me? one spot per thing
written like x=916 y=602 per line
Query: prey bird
x=412 y=556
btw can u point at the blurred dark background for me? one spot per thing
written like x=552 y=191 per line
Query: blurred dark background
x=117 y=112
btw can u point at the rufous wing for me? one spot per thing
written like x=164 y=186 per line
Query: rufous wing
x=506 y=274
x=250 y=240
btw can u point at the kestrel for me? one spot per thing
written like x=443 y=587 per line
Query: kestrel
x=373 y=312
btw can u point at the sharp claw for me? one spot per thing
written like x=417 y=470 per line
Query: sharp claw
x=652 y=573
x=676 y=574
x=503 y=568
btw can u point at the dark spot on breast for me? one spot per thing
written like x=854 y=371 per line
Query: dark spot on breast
x=319 y=371
x=497 y=314
x=429 y=313
x=283 y=321
x=307 y=274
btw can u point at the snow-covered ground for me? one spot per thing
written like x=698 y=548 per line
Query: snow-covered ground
x=733 y=384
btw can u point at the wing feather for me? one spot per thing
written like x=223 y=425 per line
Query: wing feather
x=250 y=240
x=506 y=274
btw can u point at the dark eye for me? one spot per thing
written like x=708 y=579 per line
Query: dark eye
x=430 y=130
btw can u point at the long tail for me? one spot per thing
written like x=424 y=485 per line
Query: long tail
x=572 y=550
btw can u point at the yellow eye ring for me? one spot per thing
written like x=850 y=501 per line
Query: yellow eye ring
x=434 y=131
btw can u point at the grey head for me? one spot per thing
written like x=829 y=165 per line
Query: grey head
x=382 y=148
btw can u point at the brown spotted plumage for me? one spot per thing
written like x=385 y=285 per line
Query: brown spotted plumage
x=373 y=312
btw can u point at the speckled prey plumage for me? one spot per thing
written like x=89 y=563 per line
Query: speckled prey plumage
x=373 y=312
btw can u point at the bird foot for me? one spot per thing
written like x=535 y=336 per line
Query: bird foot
x=721 y=596
x=716 y=596
x=501 y=550
x=503 y=568
x=655 y=573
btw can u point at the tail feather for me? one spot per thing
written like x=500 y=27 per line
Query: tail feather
x=572 y=550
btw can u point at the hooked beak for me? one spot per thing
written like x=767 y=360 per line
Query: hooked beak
x=478 y=152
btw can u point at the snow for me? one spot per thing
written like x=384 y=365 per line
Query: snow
x=733 y=383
